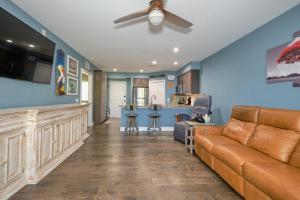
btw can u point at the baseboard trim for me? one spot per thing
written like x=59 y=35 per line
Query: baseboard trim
x=12 y=189
x=145 y=129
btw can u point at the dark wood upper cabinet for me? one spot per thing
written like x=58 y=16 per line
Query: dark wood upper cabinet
x=190 y=82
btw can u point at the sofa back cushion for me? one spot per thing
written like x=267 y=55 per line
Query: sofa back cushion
x=277 y=143
x=245 y=113
x=279 y=118
x=238 y=130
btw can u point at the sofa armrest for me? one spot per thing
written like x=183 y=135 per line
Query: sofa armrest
x=212 y=130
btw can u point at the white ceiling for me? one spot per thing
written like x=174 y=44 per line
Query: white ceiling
x=88 y=27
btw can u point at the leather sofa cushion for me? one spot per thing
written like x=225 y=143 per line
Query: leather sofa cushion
x=239 y=130
x=207 y=141
x=279 y=118
x=245 y=113
x=216 y=130
x=236 y=156
x=295 y=158
x=277 y=143
x=277 y=180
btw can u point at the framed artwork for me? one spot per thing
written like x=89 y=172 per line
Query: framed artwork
x=72 y=66
x=283 y=62
x=60 y=79
x=72 y=86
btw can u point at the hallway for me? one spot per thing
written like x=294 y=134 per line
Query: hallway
x=110 y=166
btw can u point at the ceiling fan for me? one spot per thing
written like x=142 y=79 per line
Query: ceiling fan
x=156 y=15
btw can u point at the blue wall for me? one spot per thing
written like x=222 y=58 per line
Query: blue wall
x=237 y=74
x=15 y=93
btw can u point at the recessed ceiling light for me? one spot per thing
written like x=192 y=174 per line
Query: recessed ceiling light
x=31 y=45
x=176 y=50
x=175 y=63
x=154 y=62
x=115 y=69
x=92 y=59
x=9 y=41
x=141 y=70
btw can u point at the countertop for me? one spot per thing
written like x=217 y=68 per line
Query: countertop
x=41 y=108
x=164 y=107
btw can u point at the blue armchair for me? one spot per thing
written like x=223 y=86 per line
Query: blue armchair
x=202 y=105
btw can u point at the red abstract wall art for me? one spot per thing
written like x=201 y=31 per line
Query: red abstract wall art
x=283 y=62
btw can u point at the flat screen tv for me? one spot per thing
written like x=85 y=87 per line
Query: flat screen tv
x=25 y=54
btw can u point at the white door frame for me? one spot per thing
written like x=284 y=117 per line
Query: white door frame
x=91 y=82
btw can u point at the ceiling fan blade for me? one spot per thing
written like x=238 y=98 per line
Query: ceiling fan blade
x=174 y=19
x=132 y=16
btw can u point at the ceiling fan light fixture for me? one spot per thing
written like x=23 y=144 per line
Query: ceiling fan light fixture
x=156 y=17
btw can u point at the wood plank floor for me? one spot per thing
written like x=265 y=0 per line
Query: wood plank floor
x=110 y=166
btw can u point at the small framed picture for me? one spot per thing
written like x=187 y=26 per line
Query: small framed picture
x=72 y=86
x=72 y=66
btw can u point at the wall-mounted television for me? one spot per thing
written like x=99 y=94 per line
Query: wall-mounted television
x=25 y=54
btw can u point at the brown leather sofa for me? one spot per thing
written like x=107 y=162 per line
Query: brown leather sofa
x=257 y=152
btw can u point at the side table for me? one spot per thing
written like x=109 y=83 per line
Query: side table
x=189 y=133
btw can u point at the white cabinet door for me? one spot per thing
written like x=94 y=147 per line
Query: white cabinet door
x=11 y=157
x=46 y=144
x=57 y=139
x=3 y=162
x=15 y=156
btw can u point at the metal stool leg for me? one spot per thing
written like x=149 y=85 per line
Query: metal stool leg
x=135 y=125
x=127 y=124
x=154 y=126
x=132 y=124
x=150 y=124
x=159 y=124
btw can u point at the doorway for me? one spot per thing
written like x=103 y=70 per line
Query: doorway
x=157 y=92
x=117 y=97
x=86 y=94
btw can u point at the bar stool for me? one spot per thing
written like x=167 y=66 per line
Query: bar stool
x=154 y=118
x=131 y=126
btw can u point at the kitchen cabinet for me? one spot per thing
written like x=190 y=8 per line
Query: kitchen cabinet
x=190 y=82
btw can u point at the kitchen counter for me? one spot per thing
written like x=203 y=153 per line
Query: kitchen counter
x=165 y=106
x=167 y=119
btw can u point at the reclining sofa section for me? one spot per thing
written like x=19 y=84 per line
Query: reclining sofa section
x=257 y=152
